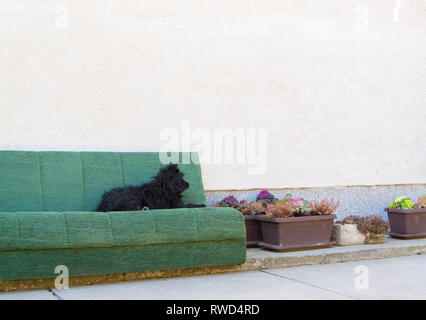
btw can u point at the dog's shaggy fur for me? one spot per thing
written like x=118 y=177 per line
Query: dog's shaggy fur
x=163 y=192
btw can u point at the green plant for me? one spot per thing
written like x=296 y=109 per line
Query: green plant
x=253 y=208
x=302 y=207
x=323 y=207
x=402 y=203
x=370 y=226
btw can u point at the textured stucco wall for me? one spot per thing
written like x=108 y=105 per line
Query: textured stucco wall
x=339 y=85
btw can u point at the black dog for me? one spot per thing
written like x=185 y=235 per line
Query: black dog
x=163 y=192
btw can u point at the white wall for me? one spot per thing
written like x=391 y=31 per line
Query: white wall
x=339 y=85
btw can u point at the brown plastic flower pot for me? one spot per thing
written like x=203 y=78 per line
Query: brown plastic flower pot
x=407 y=224
x=285 y=234
x=253 y=231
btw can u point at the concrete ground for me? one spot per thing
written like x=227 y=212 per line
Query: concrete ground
x=394 y=278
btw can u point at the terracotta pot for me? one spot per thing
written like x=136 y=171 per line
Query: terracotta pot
x=282 y=234
x=253 y=231
x=407 y=224
x=348 y=235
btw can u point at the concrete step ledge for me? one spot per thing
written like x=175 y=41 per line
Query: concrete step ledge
x=257 y=259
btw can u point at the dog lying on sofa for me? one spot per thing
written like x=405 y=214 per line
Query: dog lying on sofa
x=163 y=192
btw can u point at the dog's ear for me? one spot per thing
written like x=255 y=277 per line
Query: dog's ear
x=173 y=166
x=162 y=177
x=169 y=167
x=164 y=174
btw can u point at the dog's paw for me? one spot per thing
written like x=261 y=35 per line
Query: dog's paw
x=196 y=206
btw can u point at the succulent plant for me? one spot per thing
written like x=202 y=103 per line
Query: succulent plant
x=421 y=203
x=266 y=197
x=281 y=209
x=402 y=203
x=370 y=226
x=244 y=203
x=253 y=208
x=323 y=207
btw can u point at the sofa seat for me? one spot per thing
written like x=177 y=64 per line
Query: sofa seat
x=78 y=230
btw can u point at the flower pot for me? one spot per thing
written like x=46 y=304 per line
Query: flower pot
x=407 y=224
x=283 y=234
x=253 y=231
x=348 y=235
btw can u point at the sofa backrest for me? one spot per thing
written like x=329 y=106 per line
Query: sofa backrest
x=76 y=181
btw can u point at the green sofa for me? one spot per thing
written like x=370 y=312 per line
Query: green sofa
x=47 y=218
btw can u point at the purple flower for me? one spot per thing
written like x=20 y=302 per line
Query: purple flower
x=298 y=202
x=263 y=194
x=231 y=200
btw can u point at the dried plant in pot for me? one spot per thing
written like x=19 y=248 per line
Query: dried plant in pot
x=407 y=219
x=232 y=202
x=323 y=207
x=282 y=230
x=354 y=230
x=251 y=210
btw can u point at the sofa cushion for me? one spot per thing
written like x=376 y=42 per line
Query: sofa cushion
x=75 y=181
x=63 y=230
